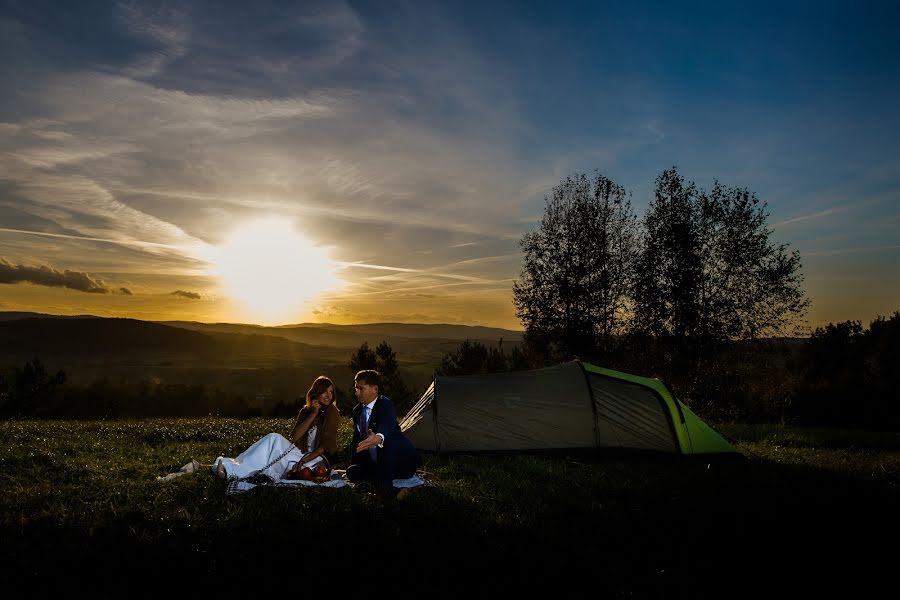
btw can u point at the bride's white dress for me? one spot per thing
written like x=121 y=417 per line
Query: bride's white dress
x=262 y=453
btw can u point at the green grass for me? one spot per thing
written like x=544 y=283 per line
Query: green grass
x=86 y=494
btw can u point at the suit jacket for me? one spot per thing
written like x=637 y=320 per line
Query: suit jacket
x=383 y=420
x=326 y=431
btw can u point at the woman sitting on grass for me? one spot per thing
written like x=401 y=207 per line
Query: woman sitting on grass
x=314 y=437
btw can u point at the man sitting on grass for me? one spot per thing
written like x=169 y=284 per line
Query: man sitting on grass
x=381 y=453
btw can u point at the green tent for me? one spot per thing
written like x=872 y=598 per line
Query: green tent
x=571 y=405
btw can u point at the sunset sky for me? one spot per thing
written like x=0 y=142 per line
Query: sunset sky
x=344 y=162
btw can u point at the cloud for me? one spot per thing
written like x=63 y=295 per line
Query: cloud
x=390 y=136
x=654 y=129
x=852 y=250
x=48 y=276
x=810 y=216
x=165 y=28
x=153 y=157
x=184 y=294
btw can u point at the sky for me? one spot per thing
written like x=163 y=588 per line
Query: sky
x=353 y=162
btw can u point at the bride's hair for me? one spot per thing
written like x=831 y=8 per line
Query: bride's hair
x=318 y=386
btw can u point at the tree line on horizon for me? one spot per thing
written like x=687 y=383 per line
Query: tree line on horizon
x=843 y=375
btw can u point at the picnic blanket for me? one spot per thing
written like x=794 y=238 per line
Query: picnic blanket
x=338 y=480
x=239 y=486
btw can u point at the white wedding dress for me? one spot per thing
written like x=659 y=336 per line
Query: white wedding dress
x=264 y=451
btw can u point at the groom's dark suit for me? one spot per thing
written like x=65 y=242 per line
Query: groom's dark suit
x=396 y=459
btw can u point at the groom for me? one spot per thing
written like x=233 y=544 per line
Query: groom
x=381 y=453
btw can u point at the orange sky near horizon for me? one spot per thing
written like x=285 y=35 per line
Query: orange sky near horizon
x=384 y=295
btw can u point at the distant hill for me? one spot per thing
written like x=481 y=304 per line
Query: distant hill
x=15 y=316
x=89 y=335
x=90 y=348
x=414 y=330
x=342 y=332
x=134 y=341
x=402 y=337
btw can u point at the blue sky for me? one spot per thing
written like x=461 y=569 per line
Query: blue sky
x=422 y=138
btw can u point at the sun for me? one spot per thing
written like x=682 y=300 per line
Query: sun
x=271 y=270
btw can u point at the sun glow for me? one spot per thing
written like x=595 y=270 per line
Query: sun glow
x=271 y=271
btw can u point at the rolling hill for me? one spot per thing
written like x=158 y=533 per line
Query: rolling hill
x=90 y=349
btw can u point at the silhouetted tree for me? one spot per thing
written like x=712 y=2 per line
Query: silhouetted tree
x=394 y=386
x=363 y=358
x=572 y=293
x=474 y=358
x=833 y=374
x=849 y=375
x=883 y=358
x=708 y=271
x=33 y=391
x=4 y=392
x=707 y=276
x=384 y=360
x=470 y=358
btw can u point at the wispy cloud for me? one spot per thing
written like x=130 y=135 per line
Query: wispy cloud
x=851 y=250
x=654 y=128
x=93 y=239
x=397 y=290
x=162 y=26
x=811 y=216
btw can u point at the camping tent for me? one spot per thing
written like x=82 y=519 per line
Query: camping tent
x=571 y=405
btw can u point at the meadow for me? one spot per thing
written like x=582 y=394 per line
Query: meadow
x=81 y=503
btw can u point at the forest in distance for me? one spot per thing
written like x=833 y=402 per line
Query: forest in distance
x=89 y=367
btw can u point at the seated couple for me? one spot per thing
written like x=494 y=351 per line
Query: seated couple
x=380 y=452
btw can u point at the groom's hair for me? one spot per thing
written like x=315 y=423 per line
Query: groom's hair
x=369 y=377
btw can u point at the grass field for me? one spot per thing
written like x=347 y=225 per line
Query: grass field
x=804 y=509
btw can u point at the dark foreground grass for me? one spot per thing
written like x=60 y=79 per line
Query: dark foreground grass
x=802 y=510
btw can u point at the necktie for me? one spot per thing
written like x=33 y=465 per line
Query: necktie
x=373 y=451
x=362 y=423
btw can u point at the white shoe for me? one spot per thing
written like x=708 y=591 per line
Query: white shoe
x=191 y=467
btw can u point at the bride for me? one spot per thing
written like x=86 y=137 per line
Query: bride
x=314 y=437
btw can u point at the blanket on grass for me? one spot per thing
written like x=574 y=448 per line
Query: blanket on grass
x=338 y=480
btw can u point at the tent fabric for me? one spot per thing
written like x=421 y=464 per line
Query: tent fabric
x=630 y=416
x=571 y=405
x=703 y=438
